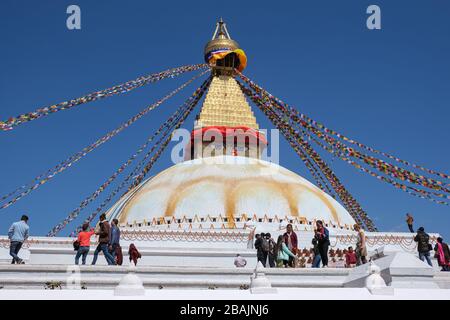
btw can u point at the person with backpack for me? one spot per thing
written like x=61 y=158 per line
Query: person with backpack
x=316 y=259
x=290 y=239
x=261 y=255
x=323 y=241
x=271 y=250
x=103 y=241
x=423 y=245
x=83 y=243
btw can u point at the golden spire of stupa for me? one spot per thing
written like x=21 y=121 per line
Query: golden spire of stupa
x=225 y=104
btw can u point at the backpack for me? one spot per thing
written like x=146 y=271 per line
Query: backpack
x=265 y=245
x=272 y=246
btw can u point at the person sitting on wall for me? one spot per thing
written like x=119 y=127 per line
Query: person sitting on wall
x=239 y=261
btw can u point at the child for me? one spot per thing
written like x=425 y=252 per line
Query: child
x=350 y=258
x=133 y=253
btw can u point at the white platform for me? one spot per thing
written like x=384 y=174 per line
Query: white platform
x=227 y=295
x=98 y=277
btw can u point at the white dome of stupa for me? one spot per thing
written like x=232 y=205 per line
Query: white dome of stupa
x=228 y=186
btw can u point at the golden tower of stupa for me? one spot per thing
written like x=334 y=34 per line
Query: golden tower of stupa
x=225 y=108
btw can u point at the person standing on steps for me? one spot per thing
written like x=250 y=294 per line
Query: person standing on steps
x=114 y=244
x=271 y=253
x=442 y=254
x=283 y=253
x=17 y=234
x=361 y=248
x=84 y=241
x=260 y=254
x=103 y=241
x=290 y=239
x=317 y=258
x=409 y=222
x=423 y=245
x=323 y=241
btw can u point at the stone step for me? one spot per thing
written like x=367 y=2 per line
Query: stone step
x=101 y=277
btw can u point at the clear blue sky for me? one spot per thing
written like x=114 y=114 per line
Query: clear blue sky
x=387 y=88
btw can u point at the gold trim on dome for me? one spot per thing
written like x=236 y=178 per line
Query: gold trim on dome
x=230 y=195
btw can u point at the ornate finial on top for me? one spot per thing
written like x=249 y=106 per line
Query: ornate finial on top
x=222 y=51
x=221 y=31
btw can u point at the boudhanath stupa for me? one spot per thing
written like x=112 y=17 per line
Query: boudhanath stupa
x=190 y=220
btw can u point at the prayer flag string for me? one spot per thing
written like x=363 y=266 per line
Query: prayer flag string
x=408 y=174
x=118 y=89
x=191 y=102
x=351 y=204
x=380 y=165
x=181 y=116
x=51 y=173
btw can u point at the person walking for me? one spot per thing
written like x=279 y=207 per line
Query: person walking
x=290 y=239
x=271 y=253
x=442 y=254
x=409 y=222
x=316 y=259
x=323 y=241
x=252 y=228
x=361 y=248
x=260 y=255
x=114 y=244
x=17 y=234
x=283 y=253
x=84 y=241
x=103 y=241
x=423 y=245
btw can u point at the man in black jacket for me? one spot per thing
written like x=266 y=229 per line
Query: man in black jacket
x=423 y=245
x=260 y=254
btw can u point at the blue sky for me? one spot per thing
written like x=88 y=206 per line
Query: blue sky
x=386 y=88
